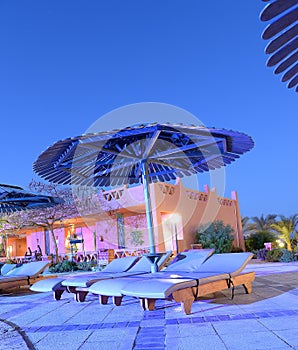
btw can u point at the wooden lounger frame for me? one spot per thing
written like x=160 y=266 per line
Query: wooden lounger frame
x=187 y=296
x=22 y=282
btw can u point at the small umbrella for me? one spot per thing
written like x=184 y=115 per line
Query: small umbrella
x=143 y=153
x=15 y=198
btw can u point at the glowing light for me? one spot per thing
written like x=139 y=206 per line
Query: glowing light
x=280 y=243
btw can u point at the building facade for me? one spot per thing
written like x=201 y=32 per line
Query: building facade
x=177 y=212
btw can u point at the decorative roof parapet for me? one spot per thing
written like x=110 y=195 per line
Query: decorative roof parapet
x=225 y=201
x=167 y=188
x=201 y=196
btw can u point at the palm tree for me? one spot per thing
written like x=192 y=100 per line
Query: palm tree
x=286 y=227
x=262 y=224
x=246 y=226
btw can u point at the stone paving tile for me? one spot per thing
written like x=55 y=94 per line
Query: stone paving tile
x=290 y=336
x=105 y=345
x=196 y=330
x=128 y=342
x=279 y=323
x=238 y=326
x=150 y=337
x=172 y=330
x=62 y=338
x=36 y=337
x=254 y=340
x=107 y=339
x=148 y=323
x=108 y=334
x=204 y=342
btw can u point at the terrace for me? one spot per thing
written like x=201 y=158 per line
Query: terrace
x=265 y=319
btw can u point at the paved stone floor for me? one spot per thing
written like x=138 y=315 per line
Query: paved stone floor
x=265 y=319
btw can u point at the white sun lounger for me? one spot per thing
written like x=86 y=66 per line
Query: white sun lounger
x=217 y=273
x=186 y=261
x=59 y=285
x=80 y=285
x=25 y=274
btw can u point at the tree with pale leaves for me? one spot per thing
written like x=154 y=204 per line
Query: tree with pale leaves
x=77 y=201
x=47 y=218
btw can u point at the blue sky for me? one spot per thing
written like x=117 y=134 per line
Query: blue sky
x=63 y=64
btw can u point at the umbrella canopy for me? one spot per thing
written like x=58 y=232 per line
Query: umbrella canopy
x=15 y=198
x=143 y=153
x=282 y=32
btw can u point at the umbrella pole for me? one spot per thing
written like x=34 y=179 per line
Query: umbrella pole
x=145 y=176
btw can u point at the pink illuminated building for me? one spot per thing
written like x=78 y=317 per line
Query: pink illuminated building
x=177 y=212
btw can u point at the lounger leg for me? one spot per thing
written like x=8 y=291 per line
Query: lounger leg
x=117 y=301
x=57 y=294
x=103 y=299
x=80 y=297
x=186 y=298
x=147 y=304
x=71 y=289
x=248 y=287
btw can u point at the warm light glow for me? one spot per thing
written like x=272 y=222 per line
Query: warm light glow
x=280 y=243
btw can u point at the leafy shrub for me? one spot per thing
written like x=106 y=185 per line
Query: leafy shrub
x=287 y=256
x=215 y=235
x=256 y=240
x=262 y=254
x=86 y=265
x=64 y=266
x=68 y=265
x=282 y=255
x=274 y=255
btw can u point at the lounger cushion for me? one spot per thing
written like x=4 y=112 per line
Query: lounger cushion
x=155 y=289
x=232 y=263
x=189 y=261
x=6 y=268
x=87 y=280
x=121 y=264
x=120 y=286
x=116 y=268
x=31 y=269
x=143 y=265
x=111 y=287
x=47 y=285
x=217 y=267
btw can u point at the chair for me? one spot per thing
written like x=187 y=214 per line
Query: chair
x=78 y=284
x=186 y=261
x=181 y=282
x=25 y=274
x=143 y=266
x=57 y=285
x=6 y=268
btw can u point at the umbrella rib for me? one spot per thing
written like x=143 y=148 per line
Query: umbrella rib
x=165 y=164
x=123 y=155
x=153 y=139
x=208 y=159
x=186 y=148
